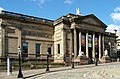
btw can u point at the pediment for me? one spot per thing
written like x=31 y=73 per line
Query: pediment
x=91 y=21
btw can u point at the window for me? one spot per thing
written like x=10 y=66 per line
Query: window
x=49 y=50
x=58 y=48
x=25 y=50
x=37 y=50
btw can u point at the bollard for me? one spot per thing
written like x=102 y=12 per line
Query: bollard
x=9 y=66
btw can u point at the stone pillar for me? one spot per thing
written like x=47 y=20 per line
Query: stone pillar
x=110 y=48
x=75 y=43
x=105 y=58
x=103 y=44
x=79 y=42
x=99 y=46
x=71 y=43
x=63 y=42
x=93 y=47
x=3 y=52
x=19 y=37
x=87 y=45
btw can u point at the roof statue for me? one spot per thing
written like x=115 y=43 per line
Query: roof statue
x=78 y=11
x=1 y=10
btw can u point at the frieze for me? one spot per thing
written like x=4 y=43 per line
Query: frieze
x=37 y=34
x=29 y=26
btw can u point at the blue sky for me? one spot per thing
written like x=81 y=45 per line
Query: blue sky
x=107 y=11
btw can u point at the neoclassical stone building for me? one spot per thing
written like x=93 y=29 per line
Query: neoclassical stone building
x=62 y=37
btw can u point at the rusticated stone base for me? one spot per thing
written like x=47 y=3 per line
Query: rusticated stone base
x=105 y=59
x=82 y=60
x=59 y=61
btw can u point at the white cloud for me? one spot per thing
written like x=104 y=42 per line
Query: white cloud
x=39 y=2
x=113 y=27
x=117 y=9
x=68 y=1
x=115 y=17
x=116 y=21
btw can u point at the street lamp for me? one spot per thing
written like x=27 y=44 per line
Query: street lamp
x=116 y=42
x=109 y=45
x=20 y=75
x=47 y=69
x=96 y=59
x=73 y=60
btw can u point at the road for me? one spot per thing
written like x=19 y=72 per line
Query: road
x=103 y=71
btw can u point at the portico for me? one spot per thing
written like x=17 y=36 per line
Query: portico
x=88 y=42
x=86 y=35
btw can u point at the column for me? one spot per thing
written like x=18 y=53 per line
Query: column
x=64 y=42
x=19 y=37
x=93 y=47
x=3 y=52
x=75 y=42
x=71 y=43
x=87 y=45
x=99 y=46
x=103 y=44
x=79 y=42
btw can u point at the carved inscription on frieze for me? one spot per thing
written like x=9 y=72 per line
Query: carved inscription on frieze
x=37 y=34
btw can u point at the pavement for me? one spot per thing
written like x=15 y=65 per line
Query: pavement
x=102 y=71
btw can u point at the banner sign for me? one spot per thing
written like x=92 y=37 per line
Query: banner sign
x=96 y=42
x=89 y=40
x=83 y=39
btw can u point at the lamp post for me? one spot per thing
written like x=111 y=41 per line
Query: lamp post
x=116 y=42
x=109 y=45
x=73 y=60
x=20 y=75
x=47 y=69
x=96 y=59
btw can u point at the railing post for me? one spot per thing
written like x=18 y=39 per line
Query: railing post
x=9 y=66
x=73 y=60
x=47 y=69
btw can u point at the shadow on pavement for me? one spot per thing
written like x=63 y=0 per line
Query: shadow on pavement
x=86 y=66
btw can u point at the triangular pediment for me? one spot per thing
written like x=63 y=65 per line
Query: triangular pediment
x=92 y=19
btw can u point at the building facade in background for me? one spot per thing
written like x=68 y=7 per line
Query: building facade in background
x=62 y=37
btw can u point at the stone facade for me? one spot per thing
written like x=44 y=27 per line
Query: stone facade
x=62 y=37
x=17 y=29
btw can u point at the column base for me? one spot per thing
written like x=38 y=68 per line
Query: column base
x=105 y=59
x=82 y=60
